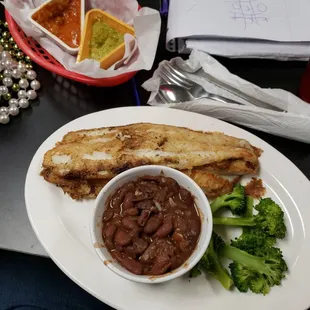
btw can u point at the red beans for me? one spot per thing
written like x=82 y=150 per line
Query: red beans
x=128 y=201
x=108 y=214
x=122 y=237
x=131 y=212
x=130 y=224
x=151 y=226
x=130 y=264
x=110 y=231
x=165 y=229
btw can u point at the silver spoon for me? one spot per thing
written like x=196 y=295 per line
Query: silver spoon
x=174 y=94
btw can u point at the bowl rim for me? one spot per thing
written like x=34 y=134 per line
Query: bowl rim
x=186 y=266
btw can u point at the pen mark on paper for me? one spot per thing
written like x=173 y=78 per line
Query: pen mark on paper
x=249 y=12
x=189 y=9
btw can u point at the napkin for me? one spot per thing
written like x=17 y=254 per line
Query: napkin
x=140 y=51
x=293 y=124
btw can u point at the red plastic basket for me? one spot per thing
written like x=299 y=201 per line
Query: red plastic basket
x=40 y=56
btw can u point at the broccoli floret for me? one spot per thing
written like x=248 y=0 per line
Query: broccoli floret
x=270 y=219
x=255 y=268
x=210 y=263
x=253 y=239
x=268 y=210
x=235 y=201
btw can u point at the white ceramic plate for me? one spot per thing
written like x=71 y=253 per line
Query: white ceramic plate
x=62 y=226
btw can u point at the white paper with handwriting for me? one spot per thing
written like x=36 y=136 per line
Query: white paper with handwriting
x=261 y=27
x=138 y=56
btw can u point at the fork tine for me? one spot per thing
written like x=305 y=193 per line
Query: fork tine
x=179 y=74
x=164 y=78
x=175 y=77
x=171 y=79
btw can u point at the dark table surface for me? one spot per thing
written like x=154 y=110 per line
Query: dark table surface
x=60 y=101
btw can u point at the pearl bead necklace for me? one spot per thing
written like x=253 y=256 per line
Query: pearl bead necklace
x=24 y=77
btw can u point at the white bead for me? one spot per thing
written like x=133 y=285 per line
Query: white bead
x=7 y=81
x=7 y=73
x=13 y=101
x=35 y=85
x=5 y=55
x=21 y=94
x=13 y=110
x=23 y=83
x=4 y=110
x=8 y=63
x=22 y=67
x=23 y=103
x=3 y=90
x=31 y=94
x=16 y=73
x=4 y=119
x=1 y=67
x=31 y=75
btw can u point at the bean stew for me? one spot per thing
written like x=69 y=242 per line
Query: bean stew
x=151 y=226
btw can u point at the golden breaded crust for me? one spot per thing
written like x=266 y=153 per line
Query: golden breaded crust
x=76 y=188
x=109 y=151
x=213 y=185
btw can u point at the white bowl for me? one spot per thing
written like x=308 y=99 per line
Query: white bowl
x=61 y=44
x=131 y=175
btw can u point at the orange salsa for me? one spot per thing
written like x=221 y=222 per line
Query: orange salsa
x=63 y=19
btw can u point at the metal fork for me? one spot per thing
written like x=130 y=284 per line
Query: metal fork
x=173 y=76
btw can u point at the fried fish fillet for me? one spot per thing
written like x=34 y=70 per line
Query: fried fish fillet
x=84 y=161
x=212 y=184
x=76 y=188
x=105 y=152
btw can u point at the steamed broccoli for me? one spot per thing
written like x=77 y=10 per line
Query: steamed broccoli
x=210 y=263
x=253 y=239
x=270 y=219
x=257 y=266
x=258 y=272
x=249 y=206
x=248 y=210
x=235 y=201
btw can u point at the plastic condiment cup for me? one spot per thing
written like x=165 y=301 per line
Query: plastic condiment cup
x=116 y=54
x=60 y=43
x=184 y=181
